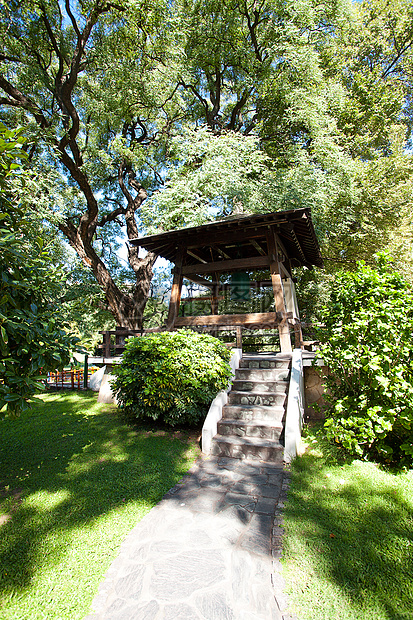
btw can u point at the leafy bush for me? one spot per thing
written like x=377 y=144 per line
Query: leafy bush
x=369 y=351
x=32 y=338
x=171 y=376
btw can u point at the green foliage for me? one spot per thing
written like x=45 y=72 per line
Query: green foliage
x=369 y=351
x=211 y=109
x=171 y=376
x=32 y=339
x=347 y=548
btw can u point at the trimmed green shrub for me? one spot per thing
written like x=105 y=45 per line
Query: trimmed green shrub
x=369 y=351
x=171 y=376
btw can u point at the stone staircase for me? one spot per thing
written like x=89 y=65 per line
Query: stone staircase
x=252 y=421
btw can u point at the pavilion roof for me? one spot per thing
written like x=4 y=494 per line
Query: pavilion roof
x=240 y=237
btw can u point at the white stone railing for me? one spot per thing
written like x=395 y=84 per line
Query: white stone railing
x=295 y=408
x=214 y=415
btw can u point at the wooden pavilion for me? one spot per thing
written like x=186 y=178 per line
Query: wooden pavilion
x=276 y=242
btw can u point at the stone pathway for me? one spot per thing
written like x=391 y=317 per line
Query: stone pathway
x=208 y=551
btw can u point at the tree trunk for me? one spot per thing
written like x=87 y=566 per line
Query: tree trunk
x=126 y=309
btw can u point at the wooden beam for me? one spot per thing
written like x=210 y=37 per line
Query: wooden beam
x=258 y=247
x=221 y=252
x=283 y=269
x=227 y=237
x=185 y=300
x=254 y=262
x=259 y=320
x=192 y=253
x=298 y=245
x=199 y=280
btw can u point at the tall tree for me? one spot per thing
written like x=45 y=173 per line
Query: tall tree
x=160 y=114
x=54 y=55
x=319 y=96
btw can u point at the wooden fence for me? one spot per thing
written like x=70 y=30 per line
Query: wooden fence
x=73 y=379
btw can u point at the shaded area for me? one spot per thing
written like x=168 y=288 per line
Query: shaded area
x=64 y=468
x=205 y=551
x=349 y=541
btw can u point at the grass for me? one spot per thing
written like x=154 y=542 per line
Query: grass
x=349 y=540
x=74 y=480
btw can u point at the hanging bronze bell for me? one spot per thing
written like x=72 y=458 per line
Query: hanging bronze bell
x=240 y=286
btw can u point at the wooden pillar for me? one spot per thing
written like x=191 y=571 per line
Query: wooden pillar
x=238 y=330
x=176 y=290
x=292 y=306
x=214 y=301
x=106 y=344
x=214 y=295
x=277 y=287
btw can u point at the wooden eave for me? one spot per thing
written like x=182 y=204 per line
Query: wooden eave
x=239 y=242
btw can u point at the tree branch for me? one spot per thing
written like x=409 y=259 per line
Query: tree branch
x=396 y=60
x=21 y=101
x=110 y=217
x=55 y=46
x=72 y=19
x=10 y=58
x=238 y=107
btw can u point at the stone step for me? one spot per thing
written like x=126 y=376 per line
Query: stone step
x=260 y=387
x=251 y=412
x=269 y=399
x=251 y=448
x=239 y=428
x=262 y=374
x=266 y=362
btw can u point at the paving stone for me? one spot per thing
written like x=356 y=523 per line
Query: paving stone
x=274 y=470
x=214 y=606
x=276 y=553
x=203 y=502
x=270 y=490
x=275 y=479
x=136 y=550
x=226 y=463
x=246 y=501
x=208 y=551
x=282 y=601
x=264 y=599
x=199 y=538
x=149 y=611
x=278 y=582
x=130 y=583
x=166 y=547
x=277 y=531
x=257 y=478
x=248 y=469
x=115 y=607
x=257 y=538
x=266 y=505
x=257 y=543
x=211 y=481
x=244 y=487
x=241 y=569
x=182 y=611
x=240 y=515
x=179 y=577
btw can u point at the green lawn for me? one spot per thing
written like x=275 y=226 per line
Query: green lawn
x=73 y=481
x=349 y=540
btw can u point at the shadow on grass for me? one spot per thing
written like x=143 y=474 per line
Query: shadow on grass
x=358 y=533
x=63 y=466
